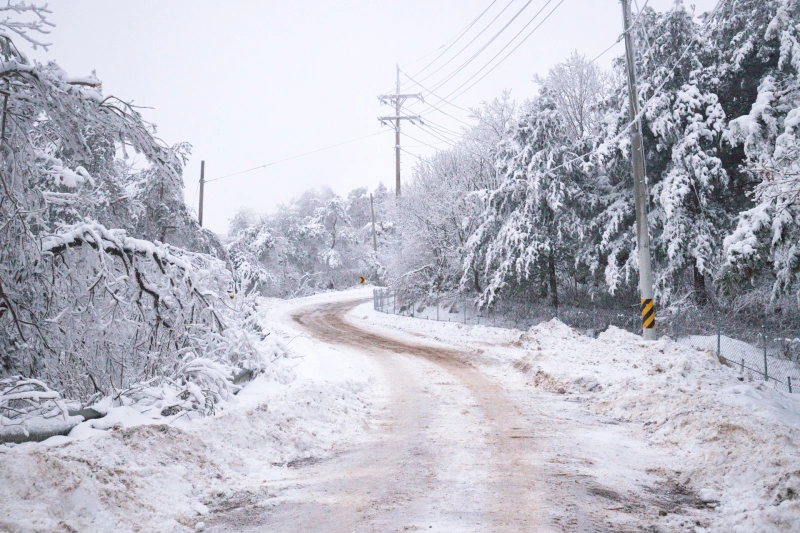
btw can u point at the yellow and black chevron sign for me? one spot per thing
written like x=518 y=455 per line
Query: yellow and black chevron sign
x=648 y=314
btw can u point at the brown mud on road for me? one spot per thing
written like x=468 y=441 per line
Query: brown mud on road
x=454 y=451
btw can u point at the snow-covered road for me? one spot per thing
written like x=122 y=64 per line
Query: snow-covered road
x=457 y=449
x=388 y=423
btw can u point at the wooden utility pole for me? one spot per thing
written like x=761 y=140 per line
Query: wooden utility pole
x=202 y=186
x=372 y=210
x=647 y=302
x=397 y=101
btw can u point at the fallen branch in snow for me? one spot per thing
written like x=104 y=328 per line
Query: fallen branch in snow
x=412 y=272
x=31 y=411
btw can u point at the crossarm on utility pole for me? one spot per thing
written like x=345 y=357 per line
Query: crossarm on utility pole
x=397 y=101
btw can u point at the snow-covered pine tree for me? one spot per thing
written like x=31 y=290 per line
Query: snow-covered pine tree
x=760 y=45
x=684 y=121
x=530 y=225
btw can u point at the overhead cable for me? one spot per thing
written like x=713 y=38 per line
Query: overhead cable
x=649 y=100
x=467 y=45
x=298 y=156
x=460 y=35
x=501 y=61
x=476 y=54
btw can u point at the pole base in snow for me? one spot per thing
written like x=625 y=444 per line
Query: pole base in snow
x=649 y=334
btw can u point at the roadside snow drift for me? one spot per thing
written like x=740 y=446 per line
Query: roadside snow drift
x=734 y=438
x=135 y=470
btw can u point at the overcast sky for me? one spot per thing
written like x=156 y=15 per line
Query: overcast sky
x=251 y=82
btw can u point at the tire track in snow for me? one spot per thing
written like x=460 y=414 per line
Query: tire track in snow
x=513 y=488
x=453 y=453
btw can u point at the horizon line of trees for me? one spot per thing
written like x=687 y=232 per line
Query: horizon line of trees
x=535 y=201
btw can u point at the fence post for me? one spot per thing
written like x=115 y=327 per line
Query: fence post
x=743 y=366
x=594 y=320
x=789 y=383
x=719 y=335
x=766 y=368
x=437 y=307
x=464 y=306
x=678 y=325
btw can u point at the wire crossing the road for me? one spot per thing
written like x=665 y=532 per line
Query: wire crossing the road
x=298 y=156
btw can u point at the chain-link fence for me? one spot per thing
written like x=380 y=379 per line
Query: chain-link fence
x=759 y=346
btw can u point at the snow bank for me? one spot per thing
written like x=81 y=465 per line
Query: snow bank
x=734 y=438
x=137 y=470
x=737 y=438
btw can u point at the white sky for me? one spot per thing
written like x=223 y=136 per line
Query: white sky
x=251 y=82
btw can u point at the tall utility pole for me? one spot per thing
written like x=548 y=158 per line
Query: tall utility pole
x=397 y=101
x=372 y=211
x=639 y=190
x=202 y=186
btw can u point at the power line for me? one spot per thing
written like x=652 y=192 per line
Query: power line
x=504 y=58
x=409 y=153
x=397 y=100
x=621 y=35
x=443 y=130
x=604 y=52
x=423 y=145
x=449 y=115
x=459 y=37
x=441 y=137
x=431 y=92
x=430 y=145
x=468 y=44
x=298 y=156
x=476 y=54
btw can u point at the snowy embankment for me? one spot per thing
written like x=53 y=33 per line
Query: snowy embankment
x=135 y=470
x=735 y=440
x=747 y=355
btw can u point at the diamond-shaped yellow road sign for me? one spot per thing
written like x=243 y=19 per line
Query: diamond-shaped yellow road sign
x=362 y=280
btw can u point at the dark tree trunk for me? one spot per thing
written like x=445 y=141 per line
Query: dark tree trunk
x=700 y=287
x=477 y=280
x=551 y=267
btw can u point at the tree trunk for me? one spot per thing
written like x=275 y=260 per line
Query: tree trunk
x=477 y=280
x=700 y=287
x=551 y=267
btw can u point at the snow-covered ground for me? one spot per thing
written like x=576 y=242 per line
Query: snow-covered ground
x=750 y=357
x=131 y=471
x=733 y=439
x=626 y=418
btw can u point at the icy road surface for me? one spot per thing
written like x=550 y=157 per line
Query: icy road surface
x=455 y=448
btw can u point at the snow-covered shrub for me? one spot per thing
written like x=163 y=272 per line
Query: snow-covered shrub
x=87 y=309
